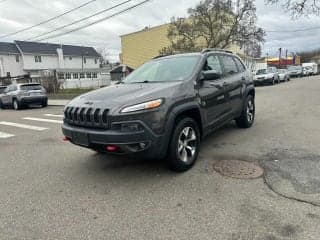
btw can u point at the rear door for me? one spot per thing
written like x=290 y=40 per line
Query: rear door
x=235 y=79
x=212 y=93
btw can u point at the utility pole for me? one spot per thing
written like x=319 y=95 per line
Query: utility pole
x=280 y=50
x=286 y=58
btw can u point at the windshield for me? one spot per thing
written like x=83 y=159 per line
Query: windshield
x=2 y=89
x=31 y=87
x=294 y=68
x=164 y=70
x=261 y=71
x=282 y=71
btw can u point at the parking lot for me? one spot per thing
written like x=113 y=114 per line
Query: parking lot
x=51 y=189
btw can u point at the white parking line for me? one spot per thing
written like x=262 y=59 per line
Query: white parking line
x=43 y=120
x=19 y=125
x=54 y=115
x=5 y=135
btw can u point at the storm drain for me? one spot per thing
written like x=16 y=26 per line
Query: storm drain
x=238 y=169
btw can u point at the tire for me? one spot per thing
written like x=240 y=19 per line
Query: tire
x=16 y=105
x=272 y=81
x=184 y=145
x=44 y=103
x=247 y=116
x=1 y=105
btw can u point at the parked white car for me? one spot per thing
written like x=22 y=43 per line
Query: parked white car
x=269 y=75
x=283 y=75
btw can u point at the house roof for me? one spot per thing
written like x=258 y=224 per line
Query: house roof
x=51 y=49
x=121 y=69
x=6 y=47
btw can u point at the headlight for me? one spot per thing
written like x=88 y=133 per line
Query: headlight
x=143 y=106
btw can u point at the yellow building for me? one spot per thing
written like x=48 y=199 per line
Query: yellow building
x=141 y=46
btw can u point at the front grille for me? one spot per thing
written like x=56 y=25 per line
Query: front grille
x=87 y=117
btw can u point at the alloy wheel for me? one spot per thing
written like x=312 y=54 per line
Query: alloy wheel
x=187 y=145
x=250 y=111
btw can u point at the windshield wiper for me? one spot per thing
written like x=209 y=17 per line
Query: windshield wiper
x=145 y=81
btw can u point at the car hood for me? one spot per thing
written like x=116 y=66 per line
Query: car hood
x=117 y=96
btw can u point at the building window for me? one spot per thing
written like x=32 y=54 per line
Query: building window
x=70 y=58
x=75 y=75
x=68 y=75
x=37 y=58
x=81 y=75
x=60 y=76
x=84 y=60
x=88 y=75
x=17 y=58
x=94 y=75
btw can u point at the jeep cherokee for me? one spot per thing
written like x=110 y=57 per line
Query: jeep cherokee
x=164 y=108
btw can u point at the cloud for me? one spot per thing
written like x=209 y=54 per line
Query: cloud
x=15 y=15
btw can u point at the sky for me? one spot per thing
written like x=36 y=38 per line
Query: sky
x=19 y=14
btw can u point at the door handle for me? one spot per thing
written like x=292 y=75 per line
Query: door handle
x=225 y=84
x=243 y=78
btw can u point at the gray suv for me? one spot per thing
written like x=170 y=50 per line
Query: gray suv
x=164 y=108
x=21 y=95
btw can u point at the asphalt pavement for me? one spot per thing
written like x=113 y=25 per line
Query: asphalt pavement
x=51 y=189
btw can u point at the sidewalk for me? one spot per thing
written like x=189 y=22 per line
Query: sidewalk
x=57 y=102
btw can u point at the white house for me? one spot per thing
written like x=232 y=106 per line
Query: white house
x=74 y=66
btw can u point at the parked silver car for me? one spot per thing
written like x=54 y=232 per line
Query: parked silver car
x=284 y=75
x=269 y=75
x=21 y=95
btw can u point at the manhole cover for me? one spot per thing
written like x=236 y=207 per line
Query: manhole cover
x=238 y=169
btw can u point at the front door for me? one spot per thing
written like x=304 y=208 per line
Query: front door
x=212 y=93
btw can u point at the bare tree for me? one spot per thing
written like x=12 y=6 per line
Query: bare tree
x=215 y=24
x=298 y=8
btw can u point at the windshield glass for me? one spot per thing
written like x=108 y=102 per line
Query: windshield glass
x=294 y=68
x=282 y=71
x=31 y=87
x=164 y=70
x=2 y=89
x=261 y=71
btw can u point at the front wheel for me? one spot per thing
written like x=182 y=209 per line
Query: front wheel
x=248 y=113
x=16 y=104
x=184 y=145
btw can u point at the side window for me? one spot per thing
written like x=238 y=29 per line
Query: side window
x=240 y=65
x=213 y=63
x=230 y=66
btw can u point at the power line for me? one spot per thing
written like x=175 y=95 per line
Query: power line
x=80 y=20
x=46 y=21
x=98 y=21
x=296 y=30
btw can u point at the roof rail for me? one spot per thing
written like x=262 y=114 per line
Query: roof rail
x=215 y=50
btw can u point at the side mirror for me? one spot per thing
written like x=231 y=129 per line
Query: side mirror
x=210 y=75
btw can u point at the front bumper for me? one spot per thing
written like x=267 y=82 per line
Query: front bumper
x=263 y=80
x=144 y=141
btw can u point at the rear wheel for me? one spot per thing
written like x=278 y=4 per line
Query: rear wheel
x=44 y=103
x=184 y=145
x=1 y=105
x=16 y=105
x=248 y=113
